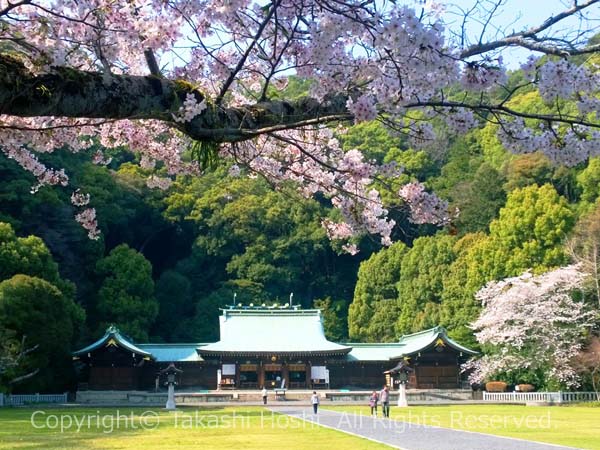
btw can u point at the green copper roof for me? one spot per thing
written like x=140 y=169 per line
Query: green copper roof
x=272 y=331
x=417 y=342
x=278 y=331
x=113 y=337
x=173 y=352
x=408 y=345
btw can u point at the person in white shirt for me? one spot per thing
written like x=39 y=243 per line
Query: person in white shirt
x=264 y=395
x=314 y=399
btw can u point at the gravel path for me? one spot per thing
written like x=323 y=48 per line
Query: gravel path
x=409 y=436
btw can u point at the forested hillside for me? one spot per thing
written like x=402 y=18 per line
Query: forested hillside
x=167 y=260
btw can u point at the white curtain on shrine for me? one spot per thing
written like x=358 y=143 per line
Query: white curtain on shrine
x=228 y=369
x=318 y=373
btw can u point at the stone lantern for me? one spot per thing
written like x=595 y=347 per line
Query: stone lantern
x=401 y=373
x=170 y=373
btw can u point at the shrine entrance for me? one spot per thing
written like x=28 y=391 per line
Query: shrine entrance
x=249 y=376
x=297 y=374
x=273 y=375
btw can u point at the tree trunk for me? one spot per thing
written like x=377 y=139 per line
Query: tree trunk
x=78 y=94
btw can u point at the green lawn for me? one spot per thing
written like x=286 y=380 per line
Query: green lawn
x=257 y=428
x=189 y=428
x=576 y=426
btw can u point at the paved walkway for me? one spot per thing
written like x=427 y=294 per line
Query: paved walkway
x=409 y=436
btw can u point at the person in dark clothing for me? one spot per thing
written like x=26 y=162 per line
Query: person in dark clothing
x=384 y=396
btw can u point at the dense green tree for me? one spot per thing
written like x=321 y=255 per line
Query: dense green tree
x=334 y=314
x=30 y=256
x=373 y=139
x=37 y=310
x=470 y=184
x=127 y=211
x=462 y=161
x=372 y=313
x=494 y=152
x=126 y=295
x=528 y=234
x=525 y=170
x=173 y=293
x=27 y=255
x=420 y=287
x=246 y=231
x=536 y=168
x=589 y=181
x=479 y=201
x=459 y=307
x=203 y=326
x=383 y=320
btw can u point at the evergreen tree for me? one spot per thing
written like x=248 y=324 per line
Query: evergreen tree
x=33 y=308
x=173 y=293
x=126 y=295
x=459 y=307
x=334 y=314
x=528 y=234
x=420 y=288
x=480 y=200
x=589 y=181
x=373 y=313
x=28 y=255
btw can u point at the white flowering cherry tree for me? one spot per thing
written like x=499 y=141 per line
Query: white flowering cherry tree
x=531 y=324
x=159 y=76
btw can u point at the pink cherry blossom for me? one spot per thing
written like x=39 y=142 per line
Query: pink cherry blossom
x=390 y=62
x=532 y=322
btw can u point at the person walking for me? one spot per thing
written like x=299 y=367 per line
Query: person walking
x=373 y=399
x=314 y=399
x=384 y=396
x=264 y=395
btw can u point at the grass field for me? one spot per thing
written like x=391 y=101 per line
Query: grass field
x=258 y=428
x=575 y=426
x=206 y=428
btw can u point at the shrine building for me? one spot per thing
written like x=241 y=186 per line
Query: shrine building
x=276 y=348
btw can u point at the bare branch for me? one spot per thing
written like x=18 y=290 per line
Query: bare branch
x=242 y=60
x=524 y=38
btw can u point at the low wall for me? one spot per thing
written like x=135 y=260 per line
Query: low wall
x=418 y=395
x=150 y=398
x=197 y=398
x=26 y=399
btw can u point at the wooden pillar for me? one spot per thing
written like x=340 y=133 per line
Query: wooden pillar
x=308 y=375
x=261 y=375
x=285 y=374
x=237 y=375
x=458 y=380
